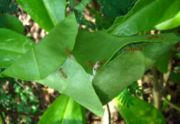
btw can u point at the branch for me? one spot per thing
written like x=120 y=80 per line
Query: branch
x=171 y=104
x=156 y=89
x=109 y=113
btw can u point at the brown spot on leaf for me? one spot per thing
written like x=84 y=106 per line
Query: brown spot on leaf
x=153 y=37
x=68 y=51
x=63 y=73
x=90 y=64
x=133 y=49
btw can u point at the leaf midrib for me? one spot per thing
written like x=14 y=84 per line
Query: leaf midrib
x=49 y=14
x=10 y=50
x=36 y=63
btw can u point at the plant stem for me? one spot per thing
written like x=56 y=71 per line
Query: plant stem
x=109 y=113
x=2 y=120
x=172 y=105
x=157 y=87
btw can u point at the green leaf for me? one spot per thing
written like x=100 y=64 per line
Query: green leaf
x=63 y=111
x=170 y=24
x=73 y=81
x=144 y=16
x=47 y=56
x=118 y=74
x=11 y=22
x=101 y=46
x=12 y=46
x=163 y=61
x=46 y=13
x=96 y=46
x=138 y=111
x=129 y=65
x=158 y=51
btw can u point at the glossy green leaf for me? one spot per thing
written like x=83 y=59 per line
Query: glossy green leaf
x=96 y=46
x=118 y=74
x=156 y=52
x=46 y=13
x=162 y=62
x=47 y=56
x=73 y=81
x=144 y=16
x=101 y=46
x=137 y=111
x=12 y=46
x=11 y=22
x=63 y=111
x=170 y=24
x=130 y=65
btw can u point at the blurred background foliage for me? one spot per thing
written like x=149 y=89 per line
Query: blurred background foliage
x=8 y=6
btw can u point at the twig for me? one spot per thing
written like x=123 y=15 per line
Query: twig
x=171 y=104
x=167 y=75
x=109 y=113
x=156 y=89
